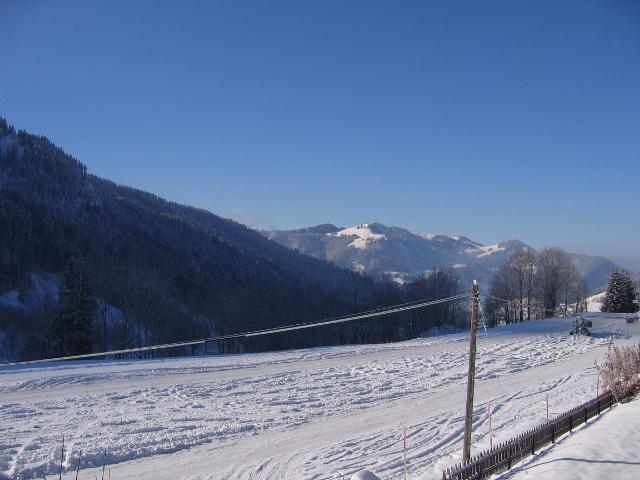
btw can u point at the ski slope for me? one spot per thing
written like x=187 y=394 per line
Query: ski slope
x=317 y=413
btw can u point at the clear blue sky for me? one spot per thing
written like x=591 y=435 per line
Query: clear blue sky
x=495 y=120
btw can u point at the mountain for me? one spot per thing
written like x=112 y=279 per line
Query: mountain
x=595 y=269
x=159 y=271
x=379 y=249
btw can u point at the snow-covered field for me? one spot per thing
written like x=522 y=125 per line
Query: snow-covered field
x=606 y=448
x=316 y=413
x=594 y=302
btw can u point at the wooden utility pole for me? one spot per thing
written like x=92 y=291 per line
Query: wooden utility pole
x=466 y=451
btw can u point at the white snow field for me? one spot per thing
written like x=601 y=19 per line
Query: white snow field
x=304 y=414
x=606 y=448
x=594 y=302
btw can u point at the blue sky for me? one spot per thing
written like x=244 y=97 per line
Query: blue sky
x=495 y=120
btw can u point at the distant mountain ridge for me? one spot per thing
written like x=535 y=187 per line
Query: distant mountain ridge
x=379 y=249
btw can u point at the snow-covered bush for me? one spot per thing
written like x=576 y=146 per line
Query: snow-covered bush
x=620 y=371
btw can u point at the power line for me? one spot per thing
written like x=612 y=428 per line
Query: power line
x=514 y=302
x=288 y=328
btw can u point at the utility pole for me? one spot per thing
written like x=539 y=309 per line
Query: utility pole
x=466 y=451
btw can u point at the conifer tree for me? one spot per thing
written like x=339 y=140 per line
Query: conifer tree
x=620 y=294
x=73 y=323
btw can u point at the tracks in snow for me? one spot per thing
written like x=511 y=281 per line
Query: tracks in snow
x=320 y=413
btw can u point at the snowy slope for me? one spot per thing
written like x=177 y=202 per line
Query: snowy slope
x=317 y=413
x=483 y=251
x=364 y=234
x=594 y=302
x=607 y=447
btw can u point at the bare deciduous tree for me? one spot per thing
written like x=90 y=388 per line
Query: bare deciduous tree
x=537 y=283
x=554 y=272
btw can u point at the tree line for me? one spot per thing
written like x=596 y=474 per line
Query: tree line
x=532 y=285
x=80 y=322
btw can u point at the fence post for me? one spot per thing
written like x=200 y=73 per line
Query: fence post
x=553 y=433
x=570 y=423
x=586 y=418
x=533 y=444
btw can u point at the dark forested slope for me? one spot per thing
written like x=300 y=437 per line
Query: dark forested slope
x=162 y=271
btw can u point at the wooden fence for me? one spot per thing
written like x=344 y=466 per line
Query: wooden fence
x=503 y=456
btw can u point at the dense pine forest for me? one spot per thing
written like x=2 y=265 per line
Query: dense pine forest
x=153 y=271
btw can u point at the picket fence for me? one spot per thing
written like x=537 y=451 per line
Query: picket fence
x=505 y=455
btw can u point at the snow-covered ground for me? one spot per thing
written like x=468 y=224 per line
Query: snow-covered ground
x=483 y=251
x=363 y=233
x=594 y=302
x=316 y=413
x=608 y=447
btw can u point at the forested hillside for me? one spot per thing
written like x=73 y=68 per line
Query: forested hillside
x=157 y=271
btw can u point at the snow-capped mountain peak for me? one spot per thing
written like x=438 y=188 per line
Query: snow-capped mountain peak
x=380 y=249
x=365 y=234
x=403 y=255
